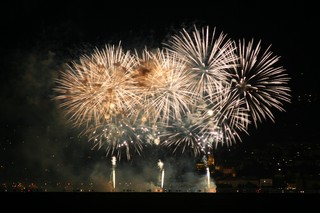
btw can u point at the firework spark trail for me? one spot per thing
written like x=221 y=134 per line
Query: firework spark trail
x=259 y=81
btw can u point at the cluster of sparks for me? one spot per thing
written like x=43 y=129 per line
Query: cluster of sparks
x=200 y=90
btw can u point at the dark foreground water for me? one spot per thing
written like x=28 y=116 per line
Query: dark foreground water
x=157 y=202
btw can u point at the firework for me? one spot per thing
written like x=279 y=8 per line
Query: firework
x=216 y=121
x=207 y=56
x=259 y=81
x=166 y=88
x=98 y=87
x=98 y=92
x=119 y=136
x=224 y=118
x=183 y=135
x=201 y=90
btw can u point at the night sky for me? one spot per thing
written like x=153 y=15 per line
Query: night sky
x=38 y=38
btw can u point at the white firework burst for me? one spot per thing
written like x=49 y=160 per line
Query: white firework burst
x=164 y=85
x=259 y=81
x=207 y=56
x=98 y=87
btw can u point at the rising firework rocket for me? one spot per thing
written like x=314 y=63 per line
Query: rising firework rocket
x=204 y=159
x=113 y=160
x=160 y=165
x=208 y=177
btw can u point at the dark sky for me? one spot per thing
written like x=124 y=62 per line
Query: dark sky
x=37 y=38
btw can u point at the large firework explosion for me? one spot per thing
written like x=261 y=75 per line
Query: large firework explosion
x=200 y=90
